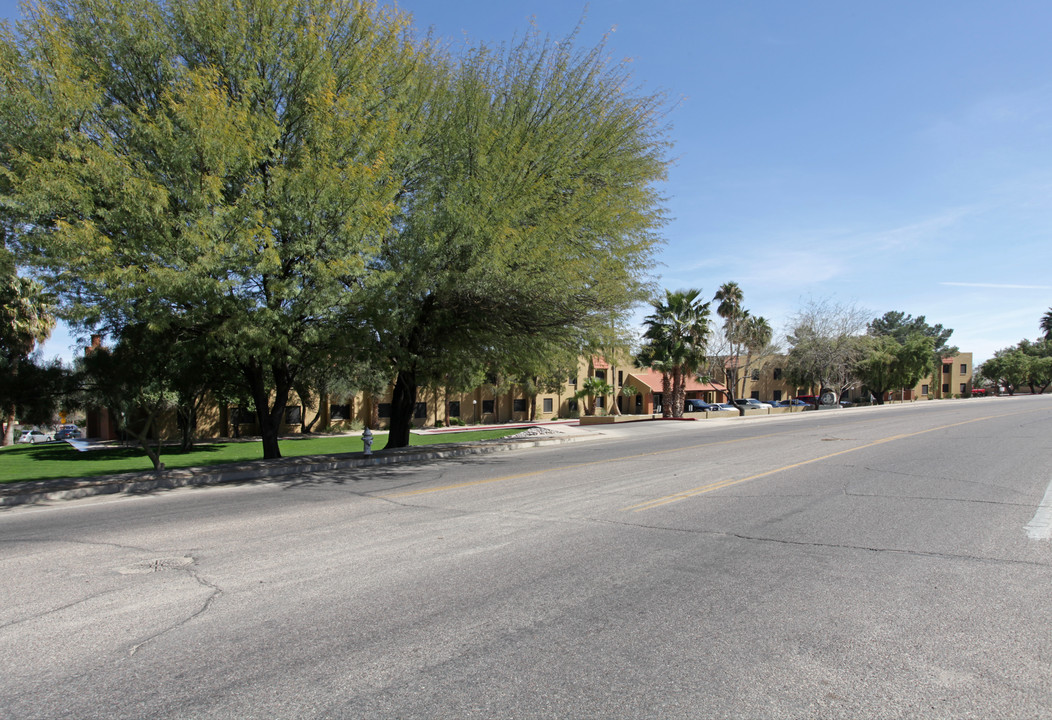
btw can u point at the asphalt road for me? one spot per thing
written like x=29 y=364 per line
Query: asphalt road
x=872 y=563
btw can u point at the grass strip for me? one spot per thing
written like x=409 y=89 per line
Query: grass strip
x=19 y=463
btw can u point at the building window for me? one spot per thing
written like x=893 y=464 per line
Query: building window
x=572 y=380
x=947 y=368
x=454 y=409
x=242 y=416
x=601 y=374
x=620 y=378
x=946 y=387
x=420 y=411
x=383 y=410
x=293 y=415
x=924 y=389
x=964 y=388
x=964 y=368
x=777 y=373
x=547 y=405
x=755 y=374
x=571 y=405
x=487 y=406
x=755 y=394
x=777 y=395
x=340 y=412
x=600 y=401
x=518 y=405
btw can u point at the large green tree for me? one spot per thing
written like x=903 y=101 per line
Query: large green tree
x=211 y=167
x=526 y=221
x=1028 y=363
x=902 y=327
x=887 y=364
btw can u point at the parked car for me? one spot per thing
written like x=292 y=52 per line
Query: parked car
x=790 y=403
x=694 y=405
x=751 y=404
x=35 y=436
x=68 y=433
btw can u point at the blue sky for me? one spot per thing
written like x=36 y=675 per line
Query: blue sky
x=891 y=155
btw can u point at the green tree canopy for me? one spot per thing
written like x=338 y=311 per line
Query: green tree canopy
x=527 y=220
x=902 y=327
x=887 y=364
x=221 y=168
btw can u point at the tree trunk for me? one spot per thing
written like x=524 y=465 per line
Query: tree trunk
x=269 y=417
x=403 y=400
x=9 y=419
x=666 y=396
x=9 y=427
x=323 y=401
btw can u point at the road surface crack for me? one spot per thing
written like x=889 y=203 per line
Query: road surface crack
x=189 y=570
x=833 y=546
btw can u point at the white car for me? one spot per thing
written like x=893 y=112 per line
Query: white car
x=35 y=436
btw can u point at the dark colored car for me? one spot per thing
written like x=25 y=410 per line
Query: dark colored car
x=693 y=405
x=67 y=434
x=790 y=403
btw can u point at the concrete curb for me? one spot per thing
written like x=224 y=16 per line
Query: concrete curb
x=34 y=491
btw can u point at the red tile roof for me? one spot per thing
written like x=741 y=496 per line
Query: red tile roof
x=652 y=381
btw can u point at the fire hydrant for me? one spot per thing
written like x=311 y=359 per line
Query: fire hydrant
x=367 y=441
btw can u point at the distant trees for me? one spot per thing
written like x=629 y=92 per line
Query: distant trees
x=825 y=346
x=745 y=343
x=886 y=364
x=902 y=328
x=1027 y=364
x=26 y=319
x=675 y=341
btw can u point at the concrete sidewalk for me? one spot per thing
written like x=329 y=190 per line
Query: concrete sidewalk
x=35 y=491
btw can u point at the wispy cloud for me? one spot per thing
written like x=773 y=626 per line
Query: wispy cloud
x=998 y=286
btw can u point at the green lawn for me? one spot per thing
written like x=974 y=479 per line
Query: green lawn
x=59 y=460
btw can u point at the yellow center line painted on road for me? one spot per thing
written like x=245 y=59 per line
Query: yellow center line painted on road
x=502 y=478
x=676 y=497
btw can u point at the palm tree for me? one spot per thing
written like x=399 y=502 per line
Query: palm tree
x=1046 y=324
x=730 y=298
x=677 y=333
x=592 y=388
x=26 y=319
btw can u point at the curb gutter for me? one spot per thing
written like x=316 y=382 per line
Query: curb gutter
x=33 y=491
